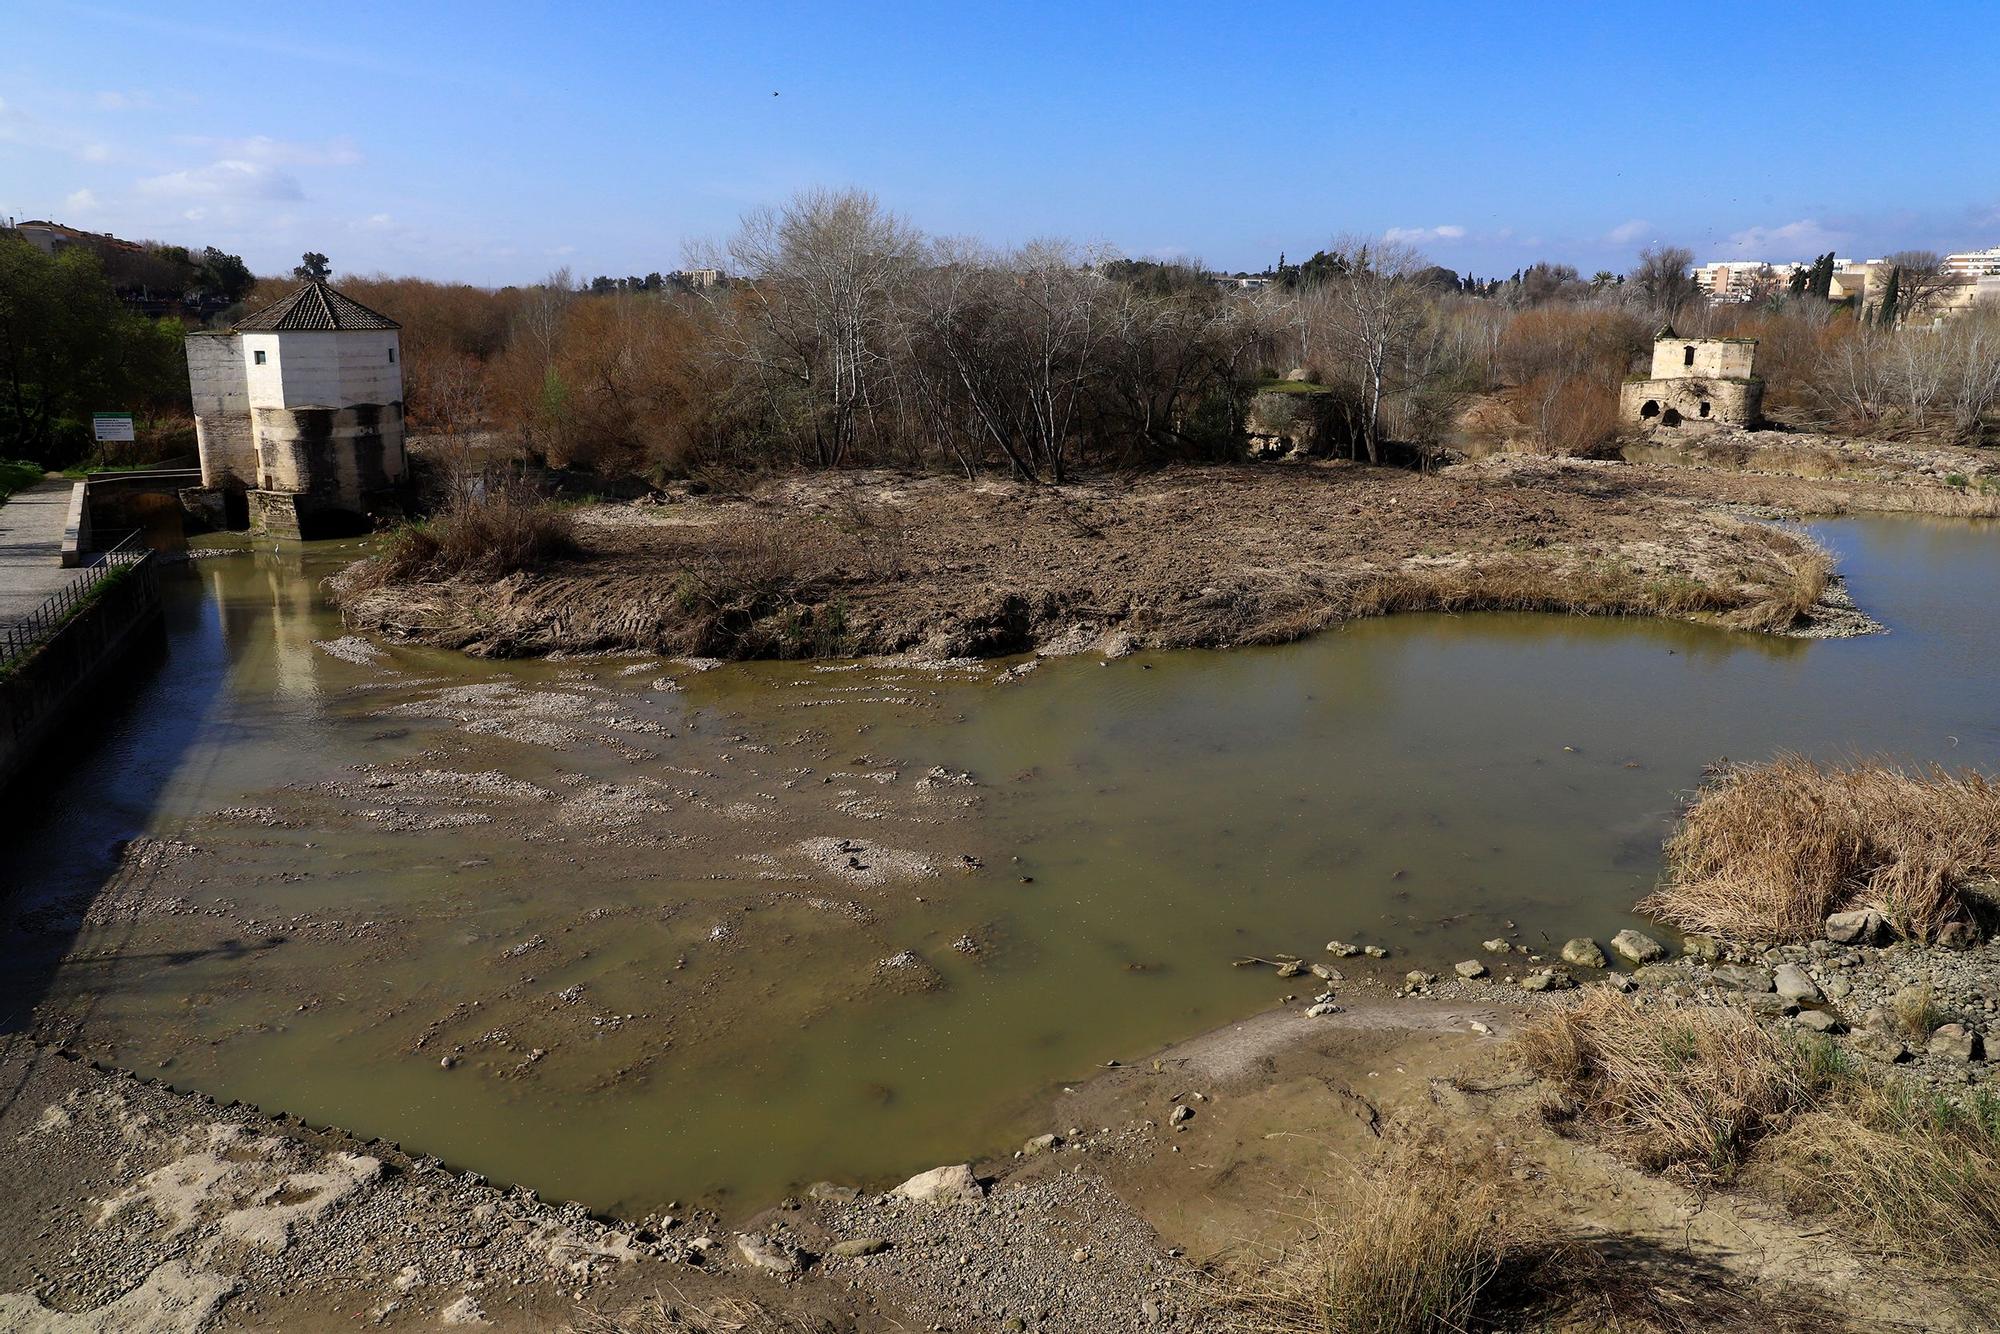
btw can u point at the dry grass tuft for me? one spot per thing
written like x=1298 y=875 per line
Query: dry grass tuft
x=1689 y=1090
x=1917 y=1175
x=1766 y=851
x=1706 y=1094
x=1412 y=1248
x=1439 y=1238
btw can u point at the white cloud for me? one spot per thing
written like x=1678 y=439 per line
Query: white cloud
x=81 y=201
x=261 y=148
x=1793 y=240
x=231 y=178
x=1625 y=233
x=1449 y=231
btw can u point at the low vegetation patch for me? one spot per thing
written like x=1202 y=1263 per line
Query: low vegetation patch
x=507 y=531
x=1767 y=851
x=1707 y=1095
x=1439 y=1237
x=17 y=475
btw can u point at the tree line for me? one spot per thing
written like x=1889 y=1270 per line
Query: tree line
x=844 y=336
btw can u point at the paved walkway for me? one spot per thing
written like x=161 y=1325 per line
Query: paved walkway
x=31 y=538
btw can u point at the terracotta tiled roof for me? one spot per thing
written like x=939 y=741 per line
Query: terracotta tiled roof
x=315 y=306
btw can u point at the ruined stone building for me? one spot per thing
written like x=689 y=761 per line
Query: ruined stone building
x=299 y=416
x=1696 y=383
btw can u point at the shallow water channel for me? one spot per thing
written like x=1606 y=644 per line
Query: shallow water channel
x=567 y=923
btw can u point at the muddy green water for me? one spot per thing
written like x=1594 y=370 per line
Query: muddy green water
x=1417 y=781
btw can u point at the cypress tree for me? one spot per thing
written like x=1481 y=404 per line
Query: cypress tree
x=1885 y=315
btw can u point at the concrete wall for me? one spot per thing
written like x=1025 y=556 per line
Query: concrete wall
x=44 y=695
x=1714 y=358
x=1691 y=404
x=221 y=393
x=324 y=368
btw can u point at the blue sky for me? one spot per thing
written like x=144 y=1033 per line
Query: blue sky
x=493 y=142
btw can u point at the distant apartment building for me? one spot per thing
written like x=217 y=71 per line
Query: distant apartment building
x=1741 y=280
x=698 y=279
x=1974 y=263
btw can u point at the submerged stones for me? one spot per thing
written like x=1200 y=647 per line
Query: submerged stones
x=1637 y=947
x=1583 y=952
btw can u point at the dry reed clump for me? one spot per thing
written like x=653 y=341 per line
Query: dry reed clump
x=507 y=531
x=1689 y=1090
x=1706 y=1094
x=1412 y=1249
x=1767 y=851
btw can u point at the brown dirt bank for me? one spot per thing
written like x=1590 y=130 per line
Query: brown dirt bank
x=864 y=564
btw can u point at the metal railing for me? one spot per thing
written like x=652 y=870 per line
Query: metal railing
x=24 y=636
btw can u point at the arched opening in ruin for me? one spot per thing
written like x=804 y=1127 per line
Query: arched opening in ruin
x=1704 y=409
x=1652 y=409
x=1687 y=356
x=1670 y=417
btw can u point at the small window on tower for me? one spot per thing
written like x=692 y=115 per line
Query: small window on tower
x=392 y=356
x=259 y=354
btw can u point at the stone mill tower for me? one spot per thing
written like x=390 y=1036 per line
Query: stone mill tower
x=299 y=415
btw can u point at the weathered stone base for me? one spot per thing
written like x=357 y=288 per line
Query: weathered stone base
x=214 y=509
x=1691 y=403
x=276 y=513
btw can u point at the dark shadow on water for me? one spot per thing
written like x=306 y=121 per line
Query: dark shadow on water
x=65 y=826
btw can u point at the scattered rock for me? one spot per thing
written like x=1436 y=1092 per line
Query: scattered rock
x=1863 y=926
x=1417 y=978
x=942 y=1185
x=1742 y=977
x=1821 y=1021
x=1469 y=969
x=1327 y=973
x=1321 y=1009
x=1958 y=935
x=1181 y=1113
x=1637 y=946
x=1794 y=984
x=772 y=1257
x=1342 y=949
x=855 y=1248
x=1547 y=979
x=1954 y=1042
x=1496 y=947
x=1583 y=952
x=1375 y=951
x=1041 y=1144
x=465 y=1311
x=1880 y=1046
